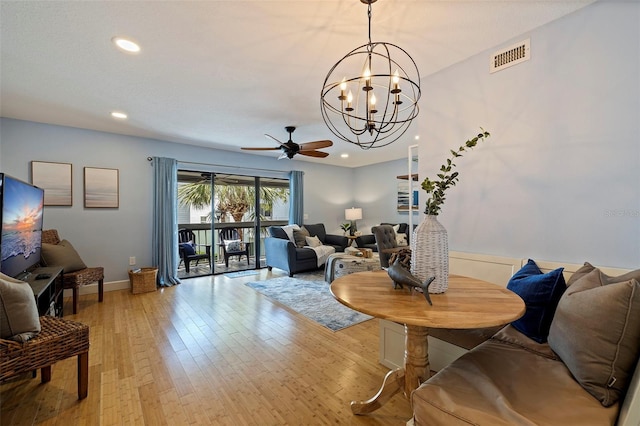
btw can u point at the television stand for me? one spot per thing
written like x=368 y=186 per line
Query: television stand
x=47 y=291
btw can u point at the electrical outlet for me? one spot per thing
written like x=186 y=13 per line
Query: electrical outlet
x=305 y=216
x=132 y=260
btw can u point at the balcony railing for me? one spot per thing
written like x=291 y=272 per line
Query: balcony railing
x=247 y=230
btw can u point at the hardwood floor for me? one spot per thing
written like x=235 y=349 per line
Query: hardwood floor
x=210 y=351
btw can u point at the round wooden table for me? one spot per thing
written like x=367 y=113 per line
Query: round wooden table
x=467 y=303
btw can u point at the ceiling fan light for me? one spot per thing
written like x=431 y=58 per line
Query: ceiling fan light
x=290 y=148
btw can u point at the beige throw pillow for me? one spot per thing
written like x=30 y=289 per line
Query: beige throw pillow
x=300 y=236
x=18 y=311
x=587 y=267
x=62 y=254
x=596 y=332
x=313 y=241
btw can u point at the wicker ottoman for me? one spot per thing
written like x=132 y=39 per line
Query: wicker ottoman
x=340 y=264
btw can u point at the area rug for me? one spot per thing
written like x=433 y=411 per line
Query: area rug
x=311 y=299
x=241 y=274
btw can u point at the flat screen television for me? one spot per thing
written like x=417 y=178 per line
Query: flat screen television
x=21 y=210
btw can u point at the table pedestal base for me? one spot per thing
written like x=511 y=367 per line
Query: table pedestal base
x=392 y=384
x=407 y=379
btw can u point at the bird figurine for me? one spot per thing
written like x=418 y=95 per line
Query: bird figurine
x=402 y=277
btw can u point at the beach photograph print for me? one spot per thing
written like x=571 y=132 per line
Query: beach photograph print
x=55 y=179
x=101 y=188
x=403 y=197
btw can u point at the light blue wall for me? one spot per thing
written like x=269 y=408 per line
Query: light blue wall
x=559 y=179
x=376 y=192
x=108 y=237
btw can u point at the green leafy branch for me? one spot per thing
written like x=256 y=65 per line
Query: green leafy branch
x=447 y=178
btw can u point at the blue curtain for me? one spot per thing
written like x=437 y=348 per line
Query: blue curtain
x=296 y=197
x=165 y=217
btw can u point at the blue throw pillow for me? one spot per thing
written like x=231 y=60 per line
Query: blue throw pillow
x=189 y=250
x=541 y=293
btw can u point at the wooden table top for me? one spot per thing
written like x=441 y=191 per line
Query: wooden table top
x=467 y=303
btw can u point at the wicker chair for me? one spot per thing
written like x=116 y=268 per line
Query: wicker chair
x=59 y=339
x=73 y=280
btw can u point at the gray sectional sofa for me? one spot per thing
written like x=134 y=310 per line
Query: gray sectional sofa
x=282 y=252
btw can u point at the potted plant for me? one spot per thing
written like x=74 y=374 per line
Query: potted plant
x=430 y=245
x=345 y=228
x=446 y=178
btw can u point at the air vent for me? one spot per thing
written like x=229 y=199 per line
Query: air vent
x=510 y=56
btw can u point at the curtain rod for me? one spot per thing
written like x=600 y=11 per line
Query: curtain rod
x=225 y=165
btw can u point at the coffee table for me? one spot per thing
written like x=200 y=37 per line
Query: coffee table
x=467 y=303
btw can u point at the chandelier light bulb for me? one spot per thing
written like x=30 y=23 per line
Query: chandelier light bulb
x=396 y=85
x=343 y=87
x=349 y=108
x=367 y=80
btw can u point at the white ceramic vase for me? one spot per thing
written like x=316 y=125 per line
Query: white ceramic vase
x=430 y=253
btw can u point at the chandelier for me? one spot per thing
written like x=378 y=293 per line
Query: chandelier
x=375 y=107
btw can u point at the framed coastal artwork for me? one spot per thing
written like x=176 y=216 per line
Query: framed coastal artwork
x=404 y=197
x=101 y=188
x=55 y=179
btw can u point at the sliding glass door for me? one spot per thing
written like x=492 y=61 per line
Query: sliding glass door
x=228 y=215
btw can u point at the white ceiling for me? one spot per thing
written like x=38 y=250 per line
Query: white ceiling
x=220 y=74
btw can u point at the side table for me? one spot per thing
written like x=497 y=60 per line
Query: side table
x=468 y=303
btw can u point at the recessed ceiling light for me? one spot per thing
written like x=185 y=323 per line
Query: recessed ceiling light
x=417 y=137
x=345 y=155
x=119 y=115
x=126 y=44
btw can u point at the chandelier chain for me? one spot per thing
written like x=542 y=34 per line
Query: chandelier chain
x=369 y=17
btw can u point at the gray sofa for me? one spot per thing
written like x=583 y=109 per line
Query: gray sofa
x=282 y=253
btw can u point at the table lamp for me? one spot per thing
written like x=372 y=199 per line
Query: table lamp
x=352 y=215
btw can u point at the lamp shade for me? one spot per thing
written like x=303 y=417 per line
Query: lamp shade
x=353 y=213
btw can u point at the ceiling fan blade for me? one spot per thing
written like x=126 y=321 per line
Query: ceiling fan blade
x=271 y=137
x=313 y=153
x=315 y=145
x=261 y=149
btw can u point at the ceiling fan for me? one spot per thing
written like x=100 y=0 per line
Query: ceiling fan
x=290 y=148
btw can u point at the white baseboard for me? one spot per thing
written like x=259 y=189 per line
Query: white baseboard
x=93 y=288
